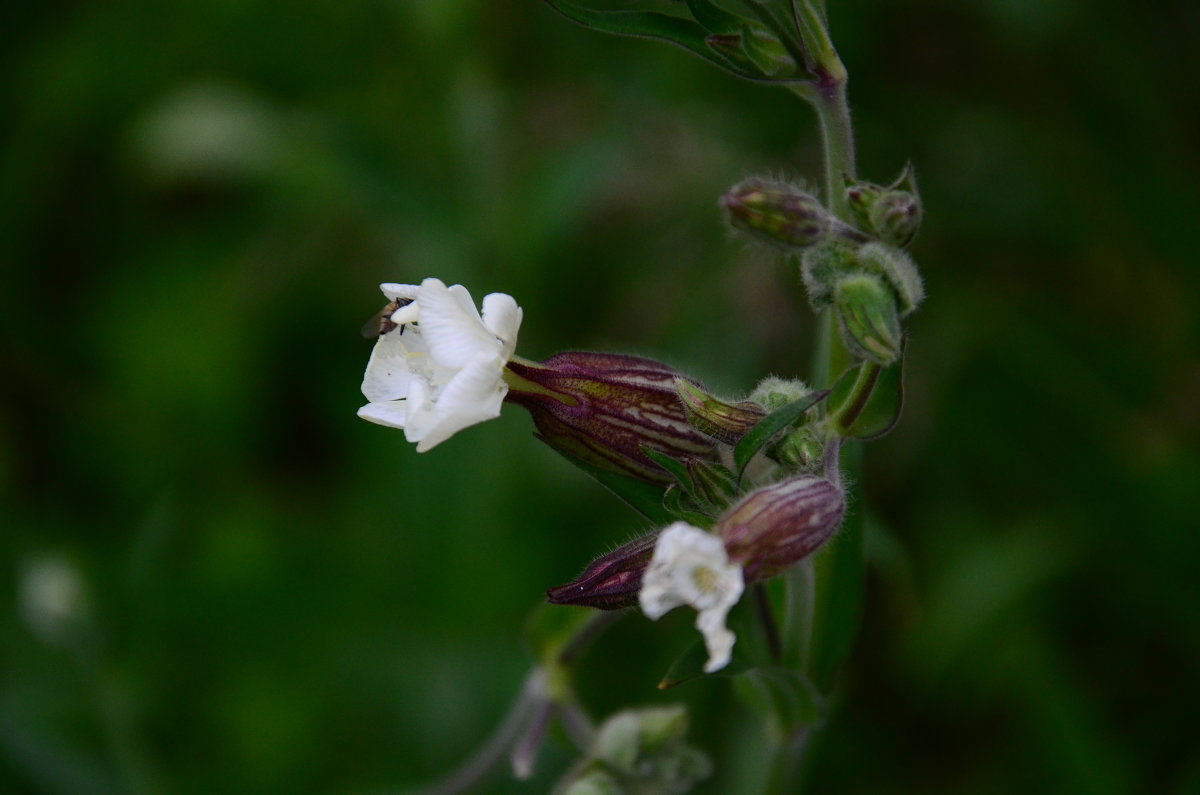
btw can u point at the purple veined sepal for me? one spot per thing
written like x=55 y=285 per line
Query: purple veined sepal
x=606 y=410
x=611 y=581
x=774 y=528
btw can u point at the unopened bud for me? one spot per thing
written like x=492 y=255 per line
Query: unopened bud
x=778 y=213
x=610 y=582
x=774 y=392
x=893 y=214
x=868 y=318
x=900 y=271
x=726 y=422
x=822 y=267
x=777 y=526
x=603 y=409
x=802 y=450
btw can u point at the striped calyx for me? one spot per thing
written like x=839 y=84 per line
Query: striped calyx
x=603 y=409
x=610 y=582
x=776 y=527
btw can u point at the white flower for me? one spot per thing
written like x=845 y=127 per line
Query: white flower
x=441 y=368
x=690 y=567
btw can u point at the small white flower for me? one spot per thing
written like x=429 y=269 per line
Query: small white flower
x=441 y=368
x=690 y=567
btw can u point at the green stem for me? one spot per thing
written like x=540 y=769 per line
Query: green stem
x=826 y=592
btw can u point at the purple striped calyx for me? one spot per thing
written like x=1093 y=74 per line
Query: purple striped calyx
x=611 y=581
x=603 y=409
x=777 y=526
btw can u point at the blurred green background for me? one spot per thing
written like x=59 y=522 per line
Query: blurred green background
x=197 y=200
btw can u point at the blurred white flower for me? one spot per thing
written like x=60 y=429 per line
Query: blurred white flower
x=52 y=599
x=439 y=365
x=690 y=567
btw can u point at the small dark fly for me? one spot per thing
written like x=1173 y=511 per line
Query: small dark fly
x=381 y=323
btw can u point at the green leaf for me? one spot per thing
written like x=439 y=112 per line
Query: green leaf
x=676 y=468
x=870 y=398
x=715 y=18
x=773 y=423
x=651 y=25
x=673 y=502
x=645 y=498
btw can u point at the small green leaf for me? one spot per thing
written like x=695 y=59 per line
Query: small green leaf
x=673 y=502
x=770 y=425
x=676 y=468
x=871 y=412
x=645 y=498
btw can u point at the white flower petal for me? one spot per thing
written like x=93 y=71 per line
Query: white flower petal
x=502 y=317
x=393 y=413
x=452 y=326
x=472 y=396
x=394 y=362
x=689 y=566
x=392 y=291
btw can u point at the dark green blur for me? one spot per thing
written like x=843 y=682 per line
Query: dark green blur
x=197 y=200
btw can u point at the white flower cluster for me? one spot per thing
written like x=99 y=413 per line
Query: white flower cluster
x=441 y=368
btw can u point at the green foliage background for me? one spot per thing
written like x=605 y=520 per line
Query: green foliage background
x=198 y=198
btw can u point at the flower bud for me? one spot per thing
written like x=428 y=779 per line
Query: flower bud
x=726 y=422
x=774 y=392
x=900 y=271
x=781 y=214
x=893 y=214
x=604 y=408
x=612 y=581
x=822 y=266
x=779 y=525
x=868 y=318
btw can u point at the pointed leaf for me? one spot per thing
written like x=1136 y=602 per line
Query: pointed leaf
x=715 y=18
x=645 y=498
x=677 y=468
x=770 y=425
x=673 y=502
x=653 y=25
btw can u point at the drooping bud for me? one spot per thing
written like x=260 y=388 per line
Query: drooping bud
x=777 y=526
x=726 y=422
x=899 y=269
x=868 y=318
x=893 y=214
x=781 y=214
x=610 y=582
x=602 y=409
